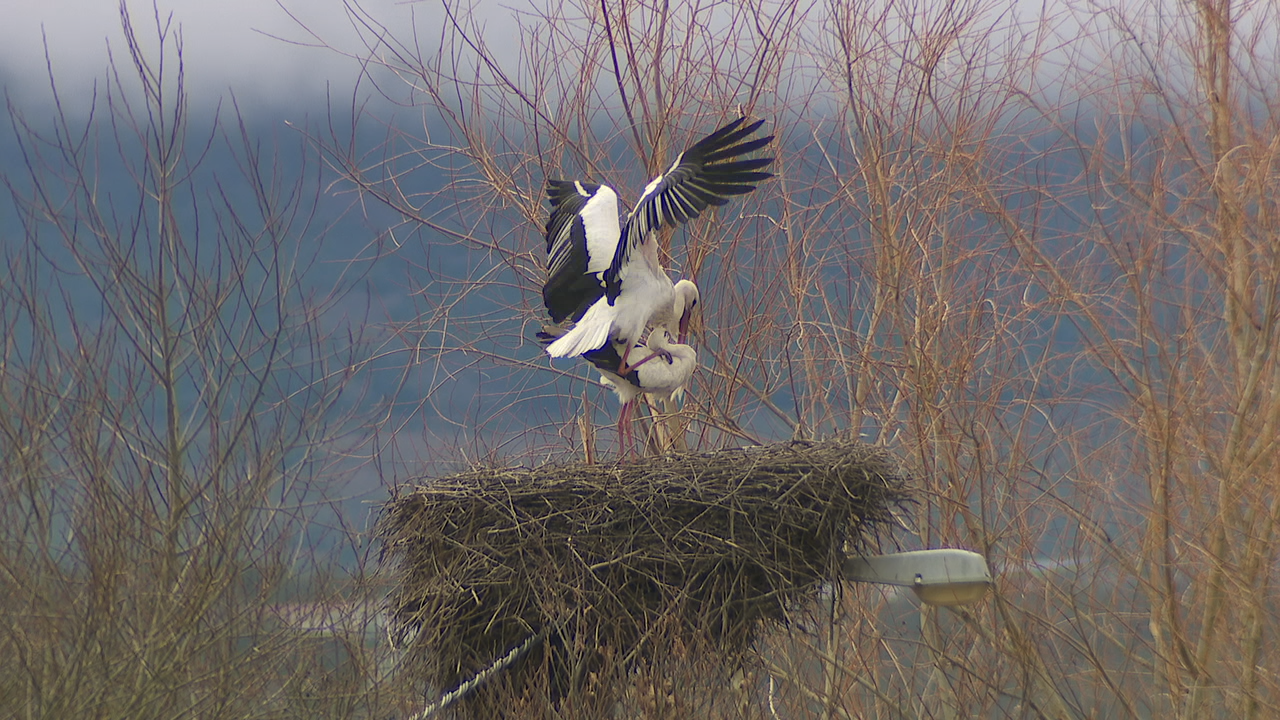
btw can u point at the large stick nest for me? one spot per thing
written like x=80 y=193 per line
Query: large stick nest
x=707 y=547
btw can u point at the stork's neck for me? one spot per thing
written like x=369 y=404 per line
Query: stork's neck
x=659 y=339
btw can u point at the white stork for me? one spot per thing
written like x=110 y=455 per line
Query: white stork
x=606 y=276
x=663 y=373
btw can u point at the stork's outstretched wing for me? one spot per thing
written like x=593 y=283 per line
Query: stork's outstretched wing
x=582 y=239
x=704 y=175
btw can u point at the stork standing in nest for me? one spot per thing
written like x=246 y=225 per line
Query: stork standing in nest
x=664 y=373
x=605 y=275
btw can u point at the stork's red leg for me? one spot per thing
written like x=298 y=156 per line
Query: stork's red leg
x=624 y=429
x=660 y=353
x=623 y=368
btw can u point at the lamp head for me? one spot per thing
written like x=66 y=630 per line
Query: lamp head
x=939 y=577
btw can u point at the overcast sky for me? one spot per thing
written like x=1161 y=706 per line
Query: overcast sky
x=228 y=46
x=243 y=45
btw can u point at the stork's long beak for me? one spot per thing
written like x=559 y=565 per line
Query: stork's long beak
x=684 y=327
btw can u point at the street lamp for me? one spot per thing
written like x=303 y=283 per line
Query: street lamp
x=939 y=577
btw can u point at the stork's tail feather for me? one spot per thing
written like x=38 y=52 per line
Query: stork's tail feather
x=582 y=339
x=591 y=333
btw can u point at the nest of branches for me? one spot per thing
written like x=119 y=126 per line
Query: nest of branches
x=615 y=565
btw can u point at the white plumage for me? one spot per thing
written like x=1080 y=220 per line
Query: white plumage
x=606 y=276
x=664 y=372
x=684 y=301
x=647 y=297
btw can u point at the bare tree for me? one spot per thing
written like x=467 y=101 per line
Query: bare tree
x=1036 y=255
x=179 y=400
